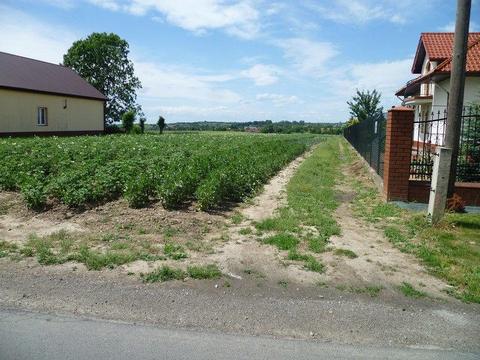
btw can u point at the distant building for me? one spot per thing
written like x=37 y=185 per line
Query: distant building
x=40 y=98
x=252 y=129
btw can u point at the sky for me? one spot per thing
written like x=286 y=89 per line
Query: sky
x=242 y=60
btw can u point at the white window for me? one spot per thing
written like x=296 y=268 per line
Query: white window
x=42 y=119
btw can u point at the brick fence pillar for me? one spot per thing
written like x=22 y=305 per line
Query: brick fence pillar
x=398 y=149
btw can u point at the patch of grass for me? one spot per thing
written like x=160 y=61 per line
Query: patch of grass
x=163 y=273
x=210 y=271
x=311 y=202
x=236 y=218
x=245 y=231
x=345 y=252
x=283 y=283
x=109 y=237
x=120 y=246
x=169 y=232
x=174 y=251
x=95 y=260
x=408 y=290
x=450 y=249
x=286 y=222
x=313 y=264
x=294 y=255
x=371 y=290
x=282 y=241
x=317 y=244
x=7 y=248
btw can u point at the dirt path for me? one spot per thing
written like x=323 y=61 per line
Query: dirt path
x=244 y=253
x=378 y=262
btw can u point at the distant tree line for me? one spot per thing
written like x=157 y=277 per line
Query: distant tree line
x=266 y=126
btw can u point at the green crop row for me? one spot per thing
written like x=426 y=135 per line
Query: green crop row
x=175 y=169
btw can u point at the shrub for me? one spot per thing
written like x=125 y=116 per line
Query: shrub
x=128 y=118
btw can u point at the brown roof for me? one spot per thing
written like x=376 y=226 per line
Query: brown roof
x=437 y=47
x=18 y=72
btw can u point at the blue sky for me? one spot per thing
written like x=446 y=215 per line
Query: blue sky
x=240 y=60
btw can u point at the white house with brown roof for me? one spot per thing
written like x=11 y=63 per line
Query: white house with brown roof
x=433 y=60
x=428 y=93
x=40 y=98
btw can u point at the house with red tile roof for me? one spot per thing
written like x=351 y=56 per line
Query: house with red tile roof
x=429 y=91
x=40 y=98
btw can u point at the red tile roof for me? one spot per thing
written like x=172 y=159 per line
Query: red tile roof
x=18 y=72
x=437 y=47
x=473 y=60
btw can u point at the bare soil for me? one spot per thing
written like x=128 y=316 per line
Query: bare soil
x=214 y=238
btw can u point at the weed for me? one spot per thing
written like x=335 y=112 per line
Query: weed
x=245 y=231
x=371 y=290
x=175 y=252
x=283 y=283
x=282 y=241
x=294 y=255
x=237 y=218
x=408 y=290
x=313 y=264
x=210 y=271
x=345 y=252
x=163 y=273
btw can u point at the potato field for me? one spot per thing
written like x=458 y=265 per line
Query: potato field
x=176 y=169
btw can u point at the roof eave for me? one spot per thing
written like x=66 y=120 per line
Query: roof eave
x=99 y=98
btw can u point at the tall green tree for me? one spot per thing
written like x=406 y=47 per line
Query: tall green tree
x=161 y=124
x=365 y=104
x=102 y=60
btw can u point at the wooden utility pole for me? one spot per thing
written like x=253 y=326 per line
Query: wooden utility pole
x=445 y=163
x=457 y=86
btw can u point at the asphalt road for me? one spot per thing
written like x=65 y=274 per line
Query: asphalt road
x=25 y=335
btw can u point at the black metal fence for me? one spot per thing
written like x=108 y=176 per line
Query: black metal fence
x=429 y=133
x=368 y=138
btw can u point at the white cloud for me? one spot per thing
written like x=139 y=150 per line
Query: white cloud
x=262 y=74
x=450 y=27
x=112 y=5
x=24 y=35
x=386 y=77
x=239 y=18
x=309 y=57
x=365 y=11
x=163 y=81
x=278 y=99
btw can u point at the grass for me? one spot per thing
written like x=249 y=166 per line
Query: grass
x=310 y=205
x=282 y=241
x=408 y=290
x=345 y=252
x=450 y=250
x=163 y=273
x=166 y=273
x=245 y=231
x=236 y=218
x=174 y=251
x=210 y=271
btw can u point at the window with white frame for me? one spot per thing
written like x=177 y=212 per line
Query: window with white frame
x=42 y=119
